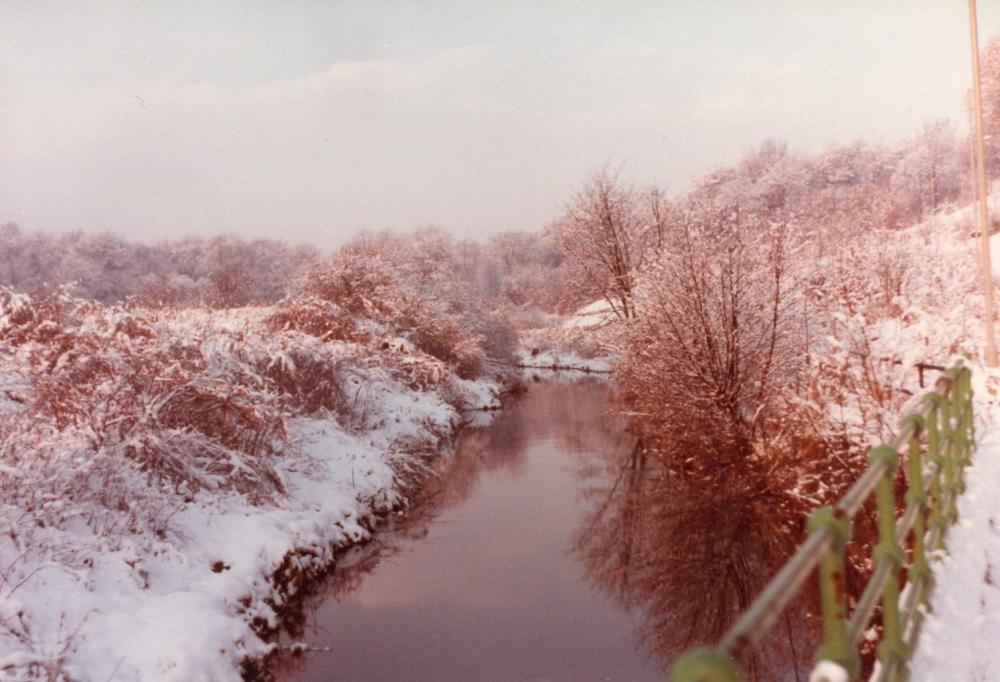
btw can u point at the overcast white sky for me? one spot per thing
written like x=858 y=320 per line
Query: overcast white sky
x=307 y=121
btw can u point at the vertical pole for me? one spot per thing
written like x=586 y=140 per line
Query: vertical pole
x=916 y=494
x=891 y=649
x=837 y=646
x=968 y=427
x=984 y=229
x=960 y=429
x=937 y=519
x=948 y=448
x=969 y=394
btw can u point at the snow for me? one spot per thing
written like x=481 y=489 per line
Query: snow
x=596 y=314
x=958 y=641
x=92 y=600
x=561 y=359
x=828 y=671
x=581 y=341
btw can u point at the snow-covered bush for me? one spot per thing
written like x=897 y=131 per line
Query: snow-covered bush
x=715 y=341
x=133 y=388
x=358 y=280
x=315 y=316
x=189 y=402
x=412 y=286
x=134 y=440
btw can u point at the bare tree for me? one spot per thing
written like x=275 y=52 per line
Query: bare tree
x=231 y=280
x=990 y=75
x=929 y=170
x=716 y=332
x=604 y=233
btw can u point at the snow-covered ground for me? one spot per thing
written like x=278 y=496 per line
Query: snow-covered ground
x=580 y=341
x=91 y=597
x=557 y=358
x=959 y=639
x=591 y=316
x=182 y=608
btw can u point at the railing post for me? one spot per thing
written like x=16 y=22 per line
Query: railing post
x=705 y=665
x=887 y=550
x=837 y=646
x=959 y=430
x=969 y=394
x=935 y=458
x=948 y=449
x=965 y=421
x=916 y=495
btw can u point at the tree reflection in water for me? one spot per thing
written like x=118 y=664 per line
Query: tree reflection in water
x=686 y=551
x=692 y=553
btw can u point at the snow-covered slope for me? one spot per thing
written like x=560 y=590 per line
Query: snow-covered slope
x=593 y=315
x=940 y=318
x=958 y=642
x=583 y=340
x=176 y=585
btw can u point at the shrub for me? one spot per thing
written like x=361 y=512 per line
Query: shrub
x=315 y=316
x=359 y=279
x=412 y=286
x=305 y=374
x=134 y=389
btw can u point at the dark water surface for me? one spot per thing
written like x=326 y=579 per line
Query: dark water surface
x=486 y=582
x=549 y=547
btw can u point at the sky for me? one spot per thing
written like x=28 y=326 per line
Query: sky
x=308 y=121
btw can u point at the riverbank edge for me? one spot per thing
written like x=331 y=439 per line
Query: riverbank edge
x=566 y=368
x=303 y=570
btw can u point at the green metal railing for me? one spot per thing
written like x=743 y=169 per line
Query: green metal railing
x=938 y=438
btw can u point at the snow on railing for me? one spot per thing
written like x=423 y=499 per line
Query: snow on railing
x=942 y=429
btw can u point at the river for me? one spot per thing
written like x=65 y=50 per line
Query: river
x=543 y=549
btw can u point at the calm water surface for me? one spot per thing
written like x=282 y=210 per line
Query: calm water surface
x=543 y=550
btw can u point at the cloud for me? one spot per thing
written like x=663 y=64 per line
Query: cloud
x=309 y=157
x=477 y=138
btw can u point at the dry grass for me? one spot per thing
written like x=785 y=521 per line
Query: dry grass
x=311 y=315
x=134 y=410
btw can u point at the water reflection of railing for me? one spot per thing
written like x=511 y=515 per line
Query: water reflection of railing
x=944 y=421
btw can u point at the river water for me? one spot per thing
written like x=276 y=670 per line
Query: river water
x=547 y=548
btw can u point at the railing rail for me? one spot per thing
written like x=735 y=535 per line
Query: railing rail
x=937 y=438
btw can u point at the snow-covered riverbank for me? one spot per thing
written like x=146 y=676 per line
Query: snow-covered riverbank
x=172 y=581
x=583 y=341
x=183 y=608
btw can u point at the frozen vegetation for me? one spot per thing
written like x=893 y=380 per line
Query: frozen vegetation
x=189 y=433
x=763 y=349
x=171 y=477
x=174 y=476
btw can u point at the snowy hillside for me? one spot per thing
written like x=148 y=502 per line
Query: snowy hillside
x=959 y=635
